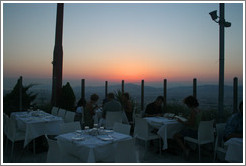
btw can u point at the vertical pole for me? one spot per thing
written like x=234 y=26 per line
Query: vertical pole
x=194 y=87
x=165 y=95
x=142 y=95
x=57 y=57
x=235 y=88
x=122 y=86
x=20 y=84
x=83 y=89
x=221 y=64
x=106 y=89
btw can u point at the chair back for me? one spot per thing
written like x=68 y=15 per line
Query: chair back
x=5 y=125
x=53 y=155
x=125 y=152
x=54 y=111
x=70 y=127
x=141 y=128
x=219 y=142
x=122 y=128
x=206 y=132
x=69 y=116
x=112 y=117
x=61 y=113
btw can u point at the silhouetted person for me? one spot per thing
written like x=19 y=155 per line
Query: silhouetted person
x=111 y=105
x=80 y=111
x=191 y=125
x=234 y=126
x=127 y=106
x=154 y=108
x=90 y=110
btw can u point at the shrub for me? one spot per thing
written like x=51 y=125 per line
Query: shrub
x=11 y=101
x=67 y=100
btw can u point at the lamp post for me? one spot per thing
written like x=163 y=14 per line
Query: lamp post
x=222 y=23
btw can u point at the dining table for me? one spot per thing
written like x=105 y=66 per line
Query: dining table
x=234 y=152
x=36 y=123
x=93 y=145
x=167 y=127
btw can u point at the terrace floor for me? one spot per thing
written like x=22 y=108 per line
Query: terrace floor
x=151 y=155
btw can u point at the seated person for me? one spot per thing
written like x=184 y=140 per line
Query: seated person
x=234 y=126
x=80 y=111
x=111 y=105
x=154 y=108
x=90 y=108
x=191 y=125
x=127 y=106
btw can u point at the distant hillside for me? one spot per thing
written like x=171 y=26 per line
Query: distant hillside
x=206 y=94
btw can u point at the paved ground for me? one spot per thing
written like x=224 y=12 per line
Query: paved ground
x=151 y=155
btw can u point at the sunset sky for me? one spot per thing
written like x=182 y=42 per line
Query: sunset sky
x=122 y=41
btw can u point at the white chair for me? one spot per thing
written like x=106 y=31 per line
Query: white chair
x=122 y=128
x=126 y=152
x=61 y=113
x=54 y=111
x=70 y=127
x=112 y=117
x=141 y=131
x=205 y=134
x=69 y=116
x=13 y=134
x=53 y=155
x=219 y=142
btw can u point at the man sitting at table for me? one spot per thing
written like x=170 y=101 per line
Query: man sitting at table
x=154 y=108
x=111 y=105
x=234 y=126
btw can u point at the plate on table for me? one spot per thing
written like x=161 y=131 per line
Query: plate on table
x=78 y=138
x=79 y=131
x=106 y=138
x=108 y=131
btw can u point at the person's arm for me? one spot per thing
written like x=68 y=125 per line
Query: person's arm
x=190 y=121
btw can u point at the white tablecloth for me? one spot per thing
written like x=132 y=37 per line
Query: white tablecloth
x=234 y=151
x=91 y=149
x=167 y=128
x=37 y=123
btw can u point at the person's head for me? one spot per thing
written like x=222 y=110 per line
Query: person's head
x=81 y=102
x=159 y=100
x=125 y=96
x=94 y=98
x=191 y=102
x=110 y=96
x=241 y=107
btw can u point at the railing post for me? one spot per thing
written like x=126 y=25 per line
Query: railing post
x=122 y=86
x=142 y=95
x=194 y=87
x=235 y=96
x=20 y=91
x=106 y=89
x=165 y=95
x=83 y=89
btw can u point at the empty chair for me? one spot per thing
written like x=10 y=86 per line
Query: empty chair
x=69 y=116
x=122 y=128
x=141 y=131
x=205 y=134
x=61 y=113
x=219 y=142
x=70 y=127
x=13 y=134
x=112 y=117
x=53 y=155
x=54 y=111
x=126 y=152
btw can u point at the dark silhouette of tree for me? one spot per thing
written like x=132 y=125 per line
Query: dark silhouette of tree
x=67 y=100
x=11 y=101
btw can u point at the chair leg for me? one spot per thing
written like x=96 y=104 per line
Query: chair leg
x=199 y=152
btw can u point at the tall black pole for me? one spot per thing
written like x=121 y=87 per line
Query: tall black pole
x=57 y=57
x=221 y=63
x=142 y=95
x=83 y=89
x=106 y=89
x=194 y=88
x=235 y=89
x=165 y=95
